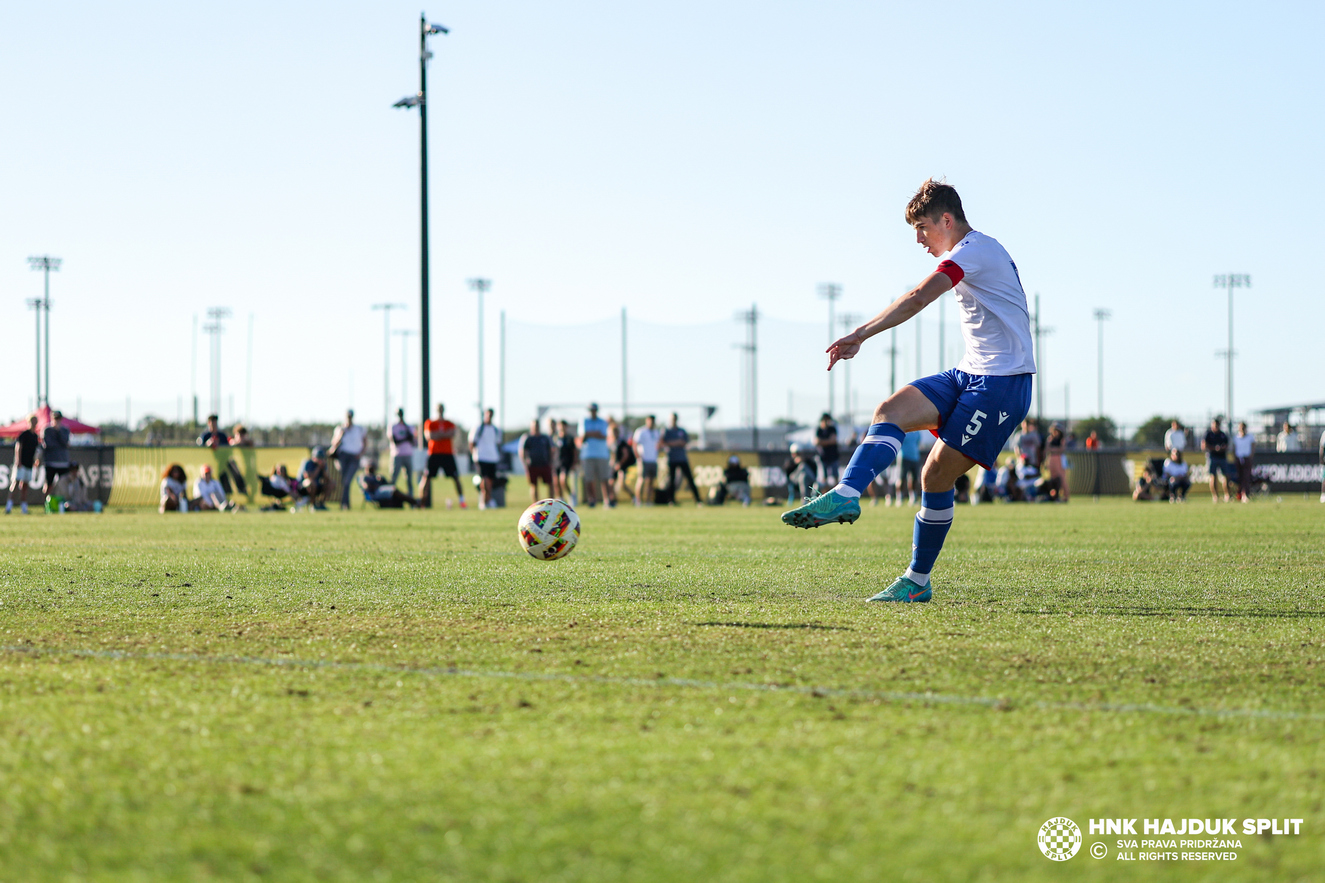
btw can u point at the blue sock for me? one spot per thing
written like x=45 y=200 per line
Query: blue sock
x=932 y=523
x=874 y=454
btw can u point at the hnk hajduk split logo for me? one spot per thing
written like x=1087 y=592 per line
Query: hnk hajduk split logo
x=1059 y=839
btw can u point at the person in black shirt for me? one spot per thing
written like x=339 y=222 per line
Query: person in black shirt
x=54 y=450
x=1215 y=445
x=25 y=460
x=825 y=439
x=568 y=453
x=536 y=455
x=623 y=457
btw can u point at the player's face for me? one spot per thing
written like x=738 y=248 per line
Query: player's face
x=934 y=234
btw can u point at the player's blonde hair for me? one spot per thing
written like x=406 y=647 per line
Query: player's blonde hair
x=932 y=200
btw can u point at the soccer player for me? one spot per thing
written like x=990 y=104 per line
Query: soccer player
x=972 y=408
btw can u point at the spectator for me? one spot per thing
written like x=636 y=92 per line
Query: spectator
x=243 y=441
x=986 y=486
x=1029 y=443
x=485 y=449
x=594 y=458
x=1244 y=447
x=347 y=444
x=645 y=442
x=1287 y=442
x=1005 y=481
x=802 y=471
x=623 y=457
x=1146 y=486
x=908 y=477
x=830 y=455
x=1175 y=438
x=313 y=481
x=1028 y=477
x=1215 y=445
x=736 y=480
x=568 y=455
x=536 y=455
x=72 y=490
x=674 y=441
x=25 y=462
x=1093 y=441
x=439 y=435
x=54 y=450
x=209 y=494
x=241 y=437
x=402 y=451
x=174 y=490
x=213 y=437
x=1321 y=455
x=376 y=489
x=1056 y=460
x=278 y=486
x=1176 y=477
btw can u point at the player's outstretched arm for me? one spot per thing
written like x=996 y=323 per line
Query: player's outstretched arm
x=893 y=315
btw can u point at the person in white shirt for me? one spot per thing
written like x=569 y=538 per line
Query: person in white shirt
x=1175 y=438
x=402 y=450
x=645 y=441
x=347 y=444
x=973 y=408
x=1244 y=448
x=209 y=493
x=485 y=448
x=1287 y=441
x=1176 y=476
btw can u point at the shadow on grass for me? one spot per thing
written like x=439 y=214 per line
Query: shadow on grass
x=1248 y=612
x=778 y=625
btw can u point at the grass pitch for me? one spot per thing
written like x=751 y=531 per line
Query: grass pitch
x=693 y=695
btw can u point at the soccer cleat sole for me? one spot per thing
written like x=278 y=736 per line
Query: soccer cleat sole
x=798 y=519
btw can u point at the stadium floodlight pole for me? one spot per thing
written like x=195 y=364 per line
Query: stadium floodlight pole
x=480 y=286
x=35 y=304
x=46 y=264
x=216 y=328
x=420 y=100
x=625 y=411
x=1101 y=315
x=892 y=361
x=751 y=348
x=849 y=322
x=1040 y=331
x=830 y=291
x=386 y=309
x=403 y=333
x=501 y=369
x=1227 y=281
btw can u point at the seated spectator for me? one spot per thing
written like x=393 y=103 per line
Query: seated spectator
x=1176 y=477
x=1288 y=441
x=71 y=488
x=802 y=472
x=210 y=495
x=1028 y=478
x=986 y=486
x=279 y=485
x=962 y=489
x=174 y=490
x=1146 y=487
x=623 y=457
x=1005 y=482
x=377 y=489
x=735 y=482
x=313 y=481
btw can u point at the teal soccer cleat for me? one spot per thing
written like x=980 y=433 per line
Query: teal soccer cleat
x=906 y=591
x=824 y=509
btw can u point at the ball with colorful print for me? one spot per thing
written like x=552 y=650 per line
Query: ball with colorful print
x=549 y=529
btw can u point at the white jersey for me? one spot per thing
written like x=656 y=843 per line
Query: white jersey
x=996 y=323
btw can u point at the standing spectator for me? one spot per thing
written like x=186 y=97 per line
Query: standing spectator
x=485 y=449
x=1175 y=475
x=536 y=455
x=347 y=444
x=1287 y=442
x=174 y=490
x=1244 y=447
x=645 y=442
x=439 y=435
x=1175 y=438
x=1215 y=445
x=209 y=494
x=71 y=488
x=213 y=437
x=909 y=475
x=1029 y=443
x=402 y=451
x=594 y=458
x=54 y=450
x=25 y=461
x=623 y=457
x=241 y=437
x=674 y=440
x=1056 y=459
x=313 y=482
x=568 y=454
x=830 y=454
x=1093 y=441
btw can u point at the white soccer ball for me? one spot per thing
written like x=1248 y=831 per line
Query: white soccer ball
x=549 y=529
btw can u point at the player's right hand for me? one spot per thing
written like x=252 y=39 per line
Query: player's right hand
x=843 y=348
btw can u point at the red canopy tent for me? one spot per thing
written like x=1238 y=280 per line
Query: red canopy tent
x=44 y=420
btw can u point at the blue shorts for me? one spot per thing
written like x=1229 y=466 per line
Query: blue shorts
x=977 y=412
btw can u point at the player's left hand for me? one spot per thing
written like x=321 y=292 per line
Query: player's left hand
x=843 y=348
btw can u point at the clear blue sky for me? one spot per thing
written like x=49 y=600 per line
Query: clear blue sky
x=682 y=160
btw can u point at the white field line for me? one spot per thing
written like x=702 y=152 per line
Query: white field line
x=689 y=683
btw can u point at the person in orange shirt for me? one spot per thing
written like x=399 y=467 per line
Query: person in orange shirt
x=440 y=436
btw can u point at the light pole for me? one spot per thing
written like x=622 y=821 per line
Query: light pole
x=1100 y=316
x=403 y=333
x=215 y=328
x=46 y=264
x=830 y=291
x=37 y=305
x=1229 y=281
x=480 y=286
x=1040 y=331
x=420 y=100
x=849 y=322
x=750 y=394
x=386 y=309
